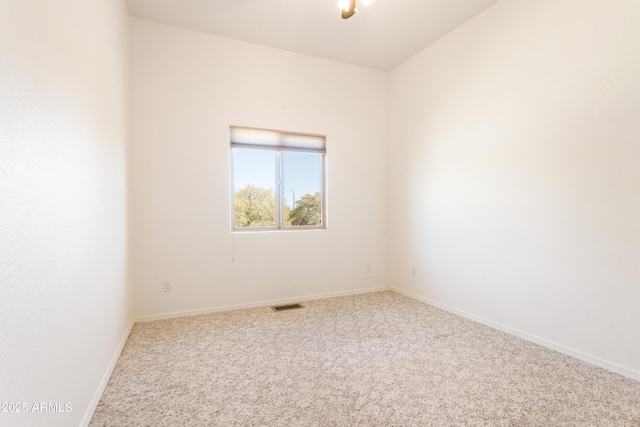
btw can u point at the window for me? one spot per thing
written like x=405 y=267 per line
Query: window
x=277 y=180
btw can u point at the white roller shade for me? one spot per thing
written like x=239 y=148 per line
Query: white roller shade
x=242 y=137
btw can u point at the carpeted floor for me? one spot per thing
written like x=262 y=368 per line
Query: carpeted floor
x=378 y=359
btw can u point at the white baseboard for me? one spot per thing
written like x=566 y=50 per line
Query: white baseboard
x=105 y=378
x=264 y=303
x=576 y=354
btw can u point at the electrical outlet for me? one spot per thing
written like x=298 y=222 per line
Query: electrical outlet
x=413 y=272
x=166 y=286
x=368 y=270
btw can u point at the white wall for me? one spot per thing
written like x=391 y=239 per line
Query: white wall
x=64 y=303
x=514 y=181
x=187 y=88
x=517 y=166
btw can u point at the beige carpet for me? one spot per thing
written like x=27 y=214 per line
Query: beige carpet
x=379 y=359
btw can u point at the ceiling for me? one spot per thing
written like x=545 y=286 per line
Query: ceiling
x=381 y=35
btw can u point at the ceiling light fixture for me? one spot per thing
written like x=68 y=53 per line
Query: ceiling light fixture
x=349 y=7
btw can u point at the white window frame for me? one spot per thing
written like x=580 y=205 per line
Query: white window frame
x=279 y=142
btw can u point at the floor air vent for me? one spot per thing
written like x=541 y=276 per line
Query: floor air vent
x=287 y=307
